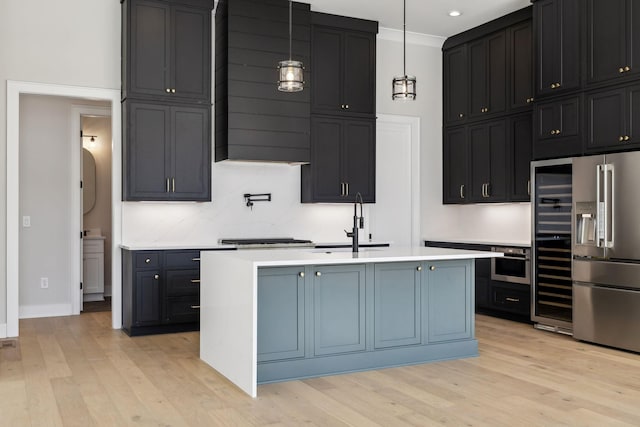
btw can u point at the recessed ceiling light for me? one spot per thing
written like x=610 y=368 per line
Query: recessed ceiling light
x=455 y=13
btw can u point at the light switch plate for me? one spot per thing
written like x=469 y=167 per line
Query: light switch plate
x=26 y=221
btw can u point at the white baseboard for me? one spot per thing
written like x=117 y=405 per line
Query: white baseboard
x=93 y=297
x=50 y=310
x=3 y=330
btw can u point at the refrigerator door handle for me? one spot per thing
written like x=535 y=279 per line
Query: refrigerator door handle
x=600 y=210
x=610 y=204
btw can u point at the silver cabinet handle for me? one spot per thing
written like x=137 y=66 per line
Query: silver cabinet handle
x=528 y=187
x=432 y=268
x=318 y=273
x=155 y=276
x=487 y=189
x=147 y=261
x=195 y=259
x=342 y=189
x=347 y=187
x=173 y=185
x=195 y=307
x=512 y=299
x=462 y=191
x=167 y=185
x=419 y=268
x=301 y=274
x=195 y=280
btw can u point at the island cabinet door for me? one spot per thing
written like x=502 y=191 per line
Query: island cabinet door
x=281 y=301
x=449 y=298
x=397 y=317
x=339 y=309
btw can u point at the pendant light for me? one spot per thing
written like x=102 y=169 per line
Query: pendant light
x=404 y=87
x=291 y=72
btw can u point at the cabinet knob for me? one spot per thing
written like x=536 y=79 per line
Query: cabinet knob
x=318 y=273
x=168 y=90
x=461 y=115
x=301 y=274
x=346 y=106
x=557 y=131
x=553 y=85
x=626 y=137
x=621 y=70
x=342 y=106
x=173 y=91
x=627 y=68
x=621 y=138
x=147 y=261
x=419 y=268
x=432 y=268
x=156 y=276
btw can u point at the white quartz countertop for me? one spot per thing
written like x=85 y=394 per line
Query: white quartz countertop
x=307 y=256
x=518 y=243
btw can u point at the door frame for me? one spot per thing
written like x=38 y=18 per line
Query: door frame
x=414 y=123
x=14 y=90
x=77 y=111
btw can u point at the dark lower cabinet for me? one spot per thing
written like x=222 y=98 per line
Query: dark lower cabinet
x=167 y=152
x=613 y=117
x=160 y=291
x=510 y=298
x=557 y=128
x=342 y=161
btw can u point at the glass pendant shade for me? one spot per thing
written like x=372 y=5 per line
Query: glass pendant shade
x=404 y=88
x=291 y=76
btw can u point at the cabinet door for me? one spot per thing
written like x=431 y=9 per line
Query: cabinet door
x=633 y=115
x=488 y=145
x=326 y=182
x=521 y=132
x=339 y=309
x=455 y=84
x=359 y=84
x=149 y=48
x=326 y=79
x=521 y=48
x=359 y=159
x=93 y=273
x=281 y=313
x=606 y=117
x=455 y=165
x=450 y=295
x=477 y=78
x=557 y=132
x=190 y=63
x=182 y=309
x=148 y=299
x=558 y=45
x=483 y=280
x=496 y=74
x=190 y=154
x=148 y=151
x=606 y=39
x=397 y=296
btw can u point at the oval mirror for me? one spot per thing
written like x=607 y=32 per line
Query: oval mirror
x=88 y=181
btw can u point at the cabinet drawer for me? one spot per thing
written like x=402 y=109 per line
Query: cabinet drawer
x=93 y=246
x=147 y=259
x=182 y=282
x=183 y=309
x=513 y=300
x=187 y=259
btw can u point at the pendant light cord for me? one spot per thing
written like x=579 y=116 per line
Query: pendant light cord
x=290 y=17
x=404 y=37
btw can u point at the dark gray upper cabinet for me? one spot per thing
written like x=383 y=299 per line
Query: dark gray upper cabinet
x=455 y=166
x=167 y=154
x=166 y=49
x=613 y=39
x=557 y=128
x=488 y=75
x=488 y=151
x=344 y=65
x=342 y=161
x=455 y=85
x=557 y=31
x=614 y=117
x=255 y=121
x=521 y=145
x=521 y=66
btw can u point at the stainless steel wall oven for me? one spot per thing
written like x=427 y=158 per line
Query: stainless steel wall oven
x=514 y=267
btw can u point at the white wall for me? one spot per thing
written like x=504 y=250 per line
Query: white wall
x=100 y=215
x=74 y=42
x=502 y=222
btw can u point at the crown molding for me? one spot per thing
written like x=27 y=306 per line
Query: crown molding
x=412 y=38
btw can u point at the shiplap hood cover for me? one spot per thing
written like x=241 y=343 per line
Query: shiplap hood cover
x=423 y=16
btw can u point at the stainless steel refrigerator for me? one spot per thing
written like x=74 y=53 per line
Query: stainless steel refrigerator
x=606 y=249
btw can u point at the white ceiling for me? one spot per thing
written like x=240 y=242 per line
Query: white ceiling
x=423 y=16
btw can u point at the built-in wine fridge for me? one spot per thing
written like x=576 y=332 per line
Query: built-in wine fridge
x=551 y=216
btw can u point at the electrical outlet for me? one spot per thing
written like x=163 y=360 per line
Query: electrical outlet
x=26 y=221
x=44 y=282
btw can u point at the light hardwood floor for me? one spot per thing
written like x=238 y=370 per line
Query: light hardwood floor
x=76 y=371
